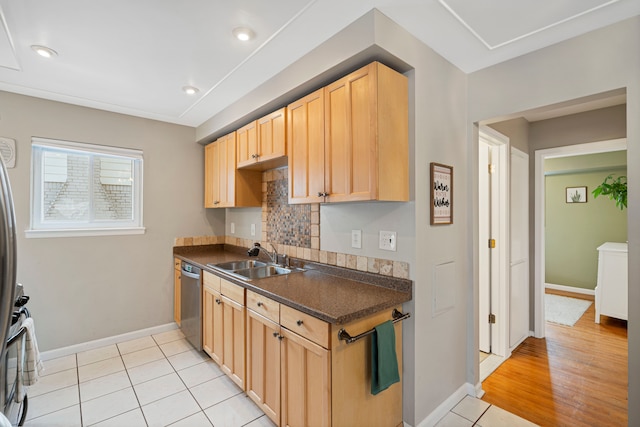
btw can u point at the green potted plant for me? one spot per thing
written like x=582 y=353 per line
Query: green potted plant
x=616 y=190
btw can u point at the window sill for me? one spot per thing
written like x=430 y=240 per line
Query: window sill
x=83 y=232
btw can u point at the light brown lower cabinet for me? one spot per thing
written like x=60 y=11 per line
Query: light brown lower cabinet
x=223 y=326
x=306 y=382
x=233 y=321
x=297 y=370
x=300 y=374
x=263 y=364
x=212 y=332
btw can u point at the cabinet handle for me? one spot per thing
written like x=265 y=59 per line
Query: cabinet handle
x=323 y=194
x=299 y=322
x=216 y=202
x=280 y=337
x=259 y=304
x=275 y=334
x=218 y=301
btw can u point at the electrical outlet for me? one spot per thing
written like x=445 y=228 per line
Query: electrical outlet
x=253 y=229
x=388 y=240
x=233 y=228
x=356 y=239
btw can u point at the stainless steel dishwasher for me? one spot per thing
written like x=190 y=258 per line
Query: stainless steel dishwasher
x=190 y=304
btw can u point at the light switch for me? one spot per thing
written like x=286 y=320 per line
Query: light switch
x=356 y=239
x=233 y=228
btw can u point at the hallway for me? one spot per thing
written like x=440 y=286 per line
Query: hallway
x=577 y=376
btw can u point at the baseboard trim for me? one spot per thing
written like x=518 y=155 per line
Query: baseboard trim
x=445 y=407
x=90 y=345
x=565 y=288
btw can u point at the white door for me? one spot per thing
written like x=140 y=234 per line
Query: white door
x=484 y=228
x=493 y=226
x=519 y=256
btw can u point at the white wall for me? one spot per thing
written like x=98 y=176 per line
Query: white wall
x=86 y=288
x=600 y=61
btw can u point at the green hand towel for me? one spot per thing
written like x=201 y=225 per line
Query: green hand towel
x=384 y=364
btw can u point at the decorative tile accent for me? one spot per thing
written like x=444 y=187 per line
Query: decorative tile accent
x=286 y=224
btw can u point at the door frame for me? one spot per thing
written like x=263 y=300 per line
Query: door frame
x=500 y=232
x=539 y=270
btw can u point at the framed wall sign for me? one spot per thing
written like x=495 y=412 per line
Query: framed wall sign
x=576 y=195
x=441 y=194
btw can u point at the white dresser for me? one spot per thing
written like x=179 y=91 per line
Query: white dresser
x=611 y=291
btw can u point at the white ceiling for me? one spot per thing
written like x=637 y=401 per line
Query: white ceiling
x=134 y=57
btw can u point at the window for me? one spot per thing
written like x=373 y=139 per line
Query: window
x=84 y=190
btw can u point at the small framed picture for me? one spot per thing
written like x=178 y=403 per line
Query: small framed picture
x=576 y=194
x=441 y=194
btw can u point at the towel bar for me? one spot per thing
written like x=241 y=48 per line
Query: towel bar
x=397 y=317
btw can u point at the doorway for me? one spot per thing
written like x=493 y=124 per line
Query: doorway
x=503 y=224
x=540 y=269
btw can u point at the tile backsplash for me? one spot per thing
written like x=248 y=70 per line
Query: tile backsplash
x=295 y=231
x=285 y=224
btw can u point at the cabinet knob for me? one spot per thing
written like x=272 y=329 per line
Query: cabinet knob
x=216 y=202
x=299 y=322
x=218 y=301
x=259 y=304
x=322 y=194
x=275 y=334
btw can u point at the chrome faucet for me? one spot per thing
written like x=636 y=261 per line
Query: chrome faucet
x=255 y=250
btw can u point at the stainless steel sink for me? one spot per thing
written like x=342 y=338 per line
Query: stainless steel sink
x=262 y=272
x=238 y=265
x=251 y=269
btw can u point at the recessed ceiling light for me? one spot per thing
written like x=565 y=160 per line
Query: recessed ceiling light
x=190 y=90
x=44 y=51
x=243 y=34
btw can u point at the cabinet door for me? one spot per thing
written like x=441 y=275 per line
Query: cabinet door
x=211 y=175
x=247 y=144
x=305 y=148
x=212 y=326
x=176 y=294
x=263 y=364
x=272 y=135
x=350 y=137
x=233 y=360
x=227 y=167
x=306 y=382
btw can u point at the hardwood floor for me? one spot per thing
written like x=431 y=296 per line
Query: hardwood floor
x=576 y=376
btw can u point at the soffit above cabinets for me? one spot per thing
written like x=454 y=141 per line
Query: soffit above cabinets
x=135 y=57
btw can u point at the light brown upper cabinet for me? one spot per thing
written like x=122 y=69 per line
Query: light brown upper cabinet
x=305 y=130
x=349 y=141
x=224 y=185
x=262 y=144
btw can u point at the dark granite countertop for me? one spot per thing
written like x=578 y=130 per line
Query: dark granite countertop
x=334 y=294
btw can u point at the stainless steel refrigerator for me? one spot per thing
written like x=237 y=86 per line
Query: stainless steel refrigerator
x=7 y=275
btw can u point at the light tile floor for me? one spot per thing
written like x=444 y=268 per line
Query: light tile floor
x=475 y=412
x=158 y=380
x=161 y=380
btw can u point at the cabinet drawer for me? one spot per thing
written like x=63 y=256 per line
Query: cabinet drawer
x=263 y=306
x=232 y=291
x=307 y=326
x=176 y=263
x=211 y=280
